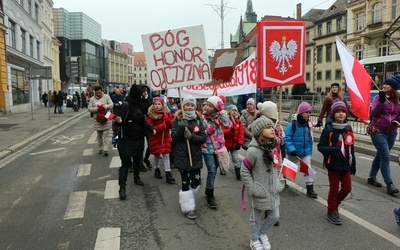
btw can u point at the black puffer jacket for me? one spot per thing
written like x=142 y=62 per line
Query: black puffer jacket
x=133 y=126
x=181 y=155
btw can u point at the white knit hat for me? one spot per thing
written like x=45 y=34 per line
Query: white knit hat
x=216 y=102
x=269 y=109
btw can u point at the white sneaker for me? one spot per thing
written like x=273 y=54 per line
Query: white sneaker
x=265 y=242
x=256 y=245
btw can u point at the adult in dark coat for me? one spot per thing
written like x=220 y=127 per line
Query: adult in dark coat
x=45 y=98
x=242 y=100
x=133 y=126
x=145 y=102
x=60 y=101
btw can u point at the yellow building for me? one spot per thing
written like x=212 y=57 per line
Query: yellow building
x=3 y=68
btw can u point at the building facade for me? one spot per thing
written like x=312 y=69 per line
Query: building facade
x=140 y=69
x=4 y=103
x=128 y=50
x=81 y=53
x=117 y=64
x=24 y=51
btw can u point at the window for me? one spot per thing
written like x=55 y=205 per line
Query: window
x=338 y=24
x=308 y=36
x=38 y=50
x=11 y=34
x=23 y=40
x=31 y=46
x=308 y=76
x=337 y=55
x=359 y=52
x=394 y=5
x=328 y=53
x=308 y=57
x=328 y=27
x=36 y=13
x=383 y=48
x=319 y=54
x=377 y=13
x=338 y=74
x=20 y=88
x=360 y=21
x=319 y=30
x=319 y=75
x=328 y=75
x=30 y=7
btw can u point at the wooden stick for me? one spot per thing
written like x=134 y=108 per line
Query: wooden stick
x=187 y=140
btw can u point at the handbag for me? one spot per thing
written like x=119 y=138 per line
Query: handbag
x=101 y=116
x=223 y=159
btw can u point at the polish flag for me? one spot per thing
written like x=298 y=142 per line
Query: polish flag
x=341 y=144
x=224 y=66
x=306 y=169
x=109 y=115
x=357 y=79
x=289 y=169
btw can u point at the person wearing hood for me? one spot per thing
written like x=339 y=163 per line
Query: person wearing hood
x=133 y=127
x=145 y=103
x=99 y=105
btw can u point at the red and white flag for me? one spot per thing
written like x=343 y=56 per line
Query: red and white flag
x=109 y=115
x=341 y=145
x=358 y=81
x=306 y=169
x=289 y=169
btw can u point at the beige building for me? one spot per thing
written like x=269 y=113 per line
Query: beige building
x=128 y=50
x=140 y=69
x=3 y=63
x=117 y=64
x=372 y=37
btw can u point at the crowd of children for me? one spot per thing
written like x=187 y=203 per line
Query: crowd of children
x=192 y=134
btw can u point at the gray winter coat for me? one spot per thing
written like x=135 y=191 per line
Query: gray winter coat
x=247 y=119
x=263 y=187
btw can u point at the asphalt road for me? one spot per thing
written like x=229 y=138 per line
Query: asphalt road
x=58 y=193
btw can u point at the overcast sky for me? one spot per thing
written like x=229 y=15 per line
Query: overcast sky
x=127 y=20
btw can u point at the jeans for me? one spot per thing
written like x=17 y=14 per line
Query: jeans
x=211 y=164
x=235 y=158
x=257 y=226
x=383 y=143
x=336 y=196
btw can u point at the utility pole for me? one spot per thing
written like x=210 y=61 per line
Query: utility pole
x=222 y=10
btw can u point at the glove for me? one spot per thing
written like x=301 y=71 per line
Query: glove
x=210 y=130
x=232 y=130
x=238 y=146
x=184 y=123
x=293 y=153
x=187 y=133
x=319 y=124
x=382 y=96
x=353 y=170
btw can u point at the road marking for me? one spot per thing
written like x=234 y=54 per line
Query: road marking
x=62 y=139
x=93 y=138
x=84 y=170
x=374 y=229
x=63 y=246
x=115 y=162
x=111 y=191
x=108 y=238
x=76 y=205
x=47 y=151
x=87 y=152
x=365 y=158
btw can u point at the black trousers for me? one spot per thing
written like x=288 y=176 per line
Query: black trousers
x=126 y=163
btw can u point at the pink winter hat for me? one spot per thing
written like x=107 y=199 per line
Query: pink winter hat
x=304 y=107
x=158 y=99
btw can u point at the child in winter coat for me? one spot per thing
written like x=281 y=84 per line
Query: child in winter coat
x=214 y=119
x=187 y=127
x=261 y=177
x=299 y=142
x=247 y=117
x=160 y=143
x=337 y=145
x=234 y=137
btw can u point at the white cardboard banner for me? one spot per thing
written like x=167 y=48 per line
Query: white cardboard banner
x=176 y=58
x=243 y=82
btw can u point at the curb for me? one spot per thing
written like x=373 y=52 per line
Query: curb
x=19 y=145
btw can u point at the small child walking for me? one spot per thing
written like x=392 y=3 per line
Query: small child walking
x=299 y=142
x=234 y=137
x=187 y=126
x=337 y=146
x=160 y=118
x=263 y=181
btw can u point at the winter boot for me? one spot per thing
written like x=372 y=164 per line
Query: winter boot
x=237 y=172
x=122 y=193
x=186 y=200
x=310 y=191
x=169 y=178
x=210 y=198
x=157 y=173
x=137 y=181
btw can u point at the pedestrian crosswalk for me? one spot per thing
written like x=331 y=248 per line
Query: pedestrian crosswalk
x=108 y=238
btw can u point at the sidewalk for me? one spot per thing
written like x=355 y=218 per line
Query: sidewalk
x=18 y=130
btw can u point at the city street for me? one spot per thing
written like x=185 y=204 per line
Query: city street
x=59 y=193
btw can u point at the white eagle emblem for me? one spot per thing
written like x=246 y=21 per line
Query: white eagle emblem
x=283 y=54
